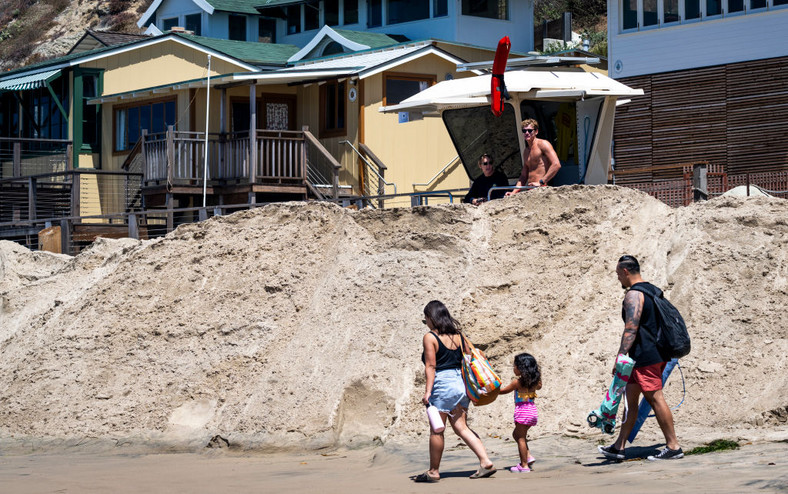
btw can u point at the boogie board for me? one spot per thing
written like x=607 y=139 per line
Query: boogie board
x=498 y=92
x=604 y=417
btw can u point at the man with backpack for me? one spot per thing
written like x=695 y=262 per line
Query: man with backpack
x=639 y=341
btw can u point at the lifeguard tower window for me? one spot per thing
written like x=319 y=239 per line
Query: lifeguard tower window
x=558 y=125
x=476 y=131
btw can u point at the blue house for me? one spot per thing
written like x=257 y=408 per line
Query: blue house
x=476 y=22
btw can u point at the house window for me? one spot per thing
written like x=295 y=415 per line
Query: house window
x=713 y=7
x=440 y=8
x=91 y=130
x=630 y=14
x=47 y=121
x=374 y=13
x=168 y=24
x=492 y=9
x=670 y=11
x=351 y=12
x=266 y=30
x=332 y=109
x=331 y=12
x=293 y=19
x=406 y=10
x=757 y=4
x=735 y=6
x=237 y=27
x=130 y=121
x=332 y=48
x=650 y=17
x=780 y=2
x=692 y=9
x=194 y=24
x=311 y=16
x=398 y=87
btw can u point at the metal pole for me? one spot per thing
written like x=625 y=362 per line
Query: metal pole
x=207 y=114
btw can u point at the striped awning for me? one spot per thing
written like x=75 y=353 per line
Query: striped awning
x=30 y=81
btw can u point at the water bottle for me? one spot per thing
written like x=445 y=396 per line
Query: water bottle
x=435 y=419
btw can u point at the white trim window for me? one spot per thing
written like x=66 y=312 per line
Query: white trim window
x=639 y=15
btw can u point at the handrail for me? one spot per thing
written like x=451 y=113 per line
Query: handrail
x=137 y=149
x=335 y=165
x=36 y=140
x=372 y=156
x=509 y=187
x=75 y=171
x=369 y=165
x=441 y=171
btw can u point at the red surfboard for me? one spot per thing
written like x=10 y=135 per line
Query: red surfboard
x=498 y=93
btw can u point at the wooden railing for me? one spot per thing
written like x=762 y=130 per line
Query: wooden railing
x=178 y=157
x=712 y=181
x=23 y=157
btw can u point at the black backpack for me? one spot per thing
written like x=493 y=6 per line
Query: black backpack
x=673 y=340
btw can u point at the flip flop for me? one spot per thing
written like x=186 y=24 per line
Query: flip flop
x=425 y=477
x=483 y=473
x=530 y=461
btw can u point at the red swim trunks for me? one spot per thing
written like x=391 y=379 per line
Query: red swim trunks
x=649 y=377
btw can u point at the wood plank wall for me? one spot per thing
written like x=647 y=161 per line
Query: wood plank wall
x=732 y=115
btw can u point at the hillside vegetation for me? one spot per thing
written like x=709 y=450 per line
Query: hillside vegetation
x=36 y=30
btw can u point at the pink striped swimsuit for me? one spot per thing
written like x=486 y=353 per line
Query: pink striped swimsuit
x=525 y=411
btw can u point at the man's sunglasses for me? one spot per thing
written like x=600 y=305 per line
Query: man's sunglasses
x=529 y=131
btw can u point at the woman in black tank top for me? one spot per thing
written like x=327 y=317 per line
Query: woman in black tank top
x=444 y=388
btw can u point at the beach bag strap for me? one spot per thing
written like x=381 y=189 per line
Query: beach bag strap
x=463 y=340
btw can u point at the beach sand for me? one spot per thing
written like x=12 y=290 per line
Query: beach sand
x=564 y=465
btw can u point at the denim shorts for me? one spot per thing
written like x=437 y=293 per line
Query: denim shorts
x=448 y=391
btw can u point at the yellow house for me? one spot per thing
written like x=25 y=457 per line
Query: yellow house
x=319 y=131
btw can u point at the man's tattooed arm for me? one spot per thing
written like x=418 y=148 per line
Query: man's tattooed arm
x=633 y=308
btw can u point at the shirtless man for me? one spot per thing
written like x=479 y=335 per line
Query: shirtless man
x=540 y=163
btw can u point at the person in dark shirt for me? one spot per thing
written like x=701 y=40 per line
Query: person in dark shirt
x=639 y=342
x=489 y=178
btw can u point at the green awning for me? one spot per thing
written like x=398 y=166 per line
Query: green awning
x=30 y=81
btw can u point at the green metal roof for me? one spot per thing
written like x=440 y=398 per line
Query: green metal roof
x=250 y=52
x=25 y=82
x=373 y=40
x=240 y=6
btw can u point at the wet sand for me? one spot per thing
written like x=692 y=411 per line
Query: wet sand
x=563 y=465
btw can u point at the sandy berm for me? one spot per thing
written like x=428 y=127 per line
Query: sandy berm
x=296 y=327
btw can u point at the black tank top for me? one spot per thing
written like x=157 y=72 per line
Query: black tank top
x=644 y=350
x=445 y=358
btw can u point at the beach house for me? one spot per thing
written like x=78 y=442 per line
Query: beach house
x=713 y=73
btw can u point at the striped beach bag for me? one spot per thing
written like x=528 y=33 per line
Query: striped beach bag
x=482 y=383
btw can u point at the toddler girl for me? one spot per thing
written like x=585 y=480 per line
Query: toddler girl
x=528 y=379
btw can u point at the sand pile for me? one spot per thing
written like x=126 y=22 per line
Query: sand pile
x=299 y=325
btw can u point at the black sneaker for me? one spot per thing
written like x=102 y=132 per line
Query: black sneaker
x=667 y=454
x=611 y=452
